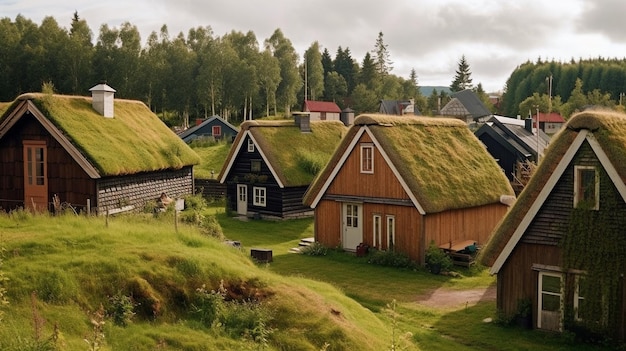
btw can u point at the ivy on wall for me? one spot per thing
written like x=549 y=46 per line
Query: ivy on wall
x=595 y=243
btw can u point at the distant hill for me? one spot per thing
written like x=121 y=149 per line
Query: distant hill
x=427 y=90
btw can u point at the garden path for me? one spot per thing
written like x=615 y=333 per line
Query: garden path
x=447 y=298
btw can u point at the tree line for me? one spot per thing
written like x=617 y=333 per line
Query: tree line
x=195 y=75
x=565 y=87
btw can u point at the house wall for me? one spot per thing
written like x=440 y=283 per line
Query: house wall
x=65 y=177
x=540 y=243
x=506 y=160
x=207 y=131
x=381 y=184
x=115 y=193
x=324 y=116
x=475 y=223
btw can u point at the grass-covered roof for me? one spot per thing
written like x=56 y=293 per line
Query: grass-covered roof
x=134 y=140
x=609 y=130
x=296 y=157
x=3 y=107
x=443 y=164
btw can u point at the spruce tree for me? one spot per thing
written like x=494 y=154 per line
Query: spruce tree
x=463 y=78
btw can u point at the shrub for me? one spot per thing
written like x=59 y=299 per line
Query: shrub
x=315 y=249
x=436 y=259
x=208 y=306
x=195 y=202
x=56 y=287
x=121 y=309
x=211 y=227
x=248 y=319
x=391 y=259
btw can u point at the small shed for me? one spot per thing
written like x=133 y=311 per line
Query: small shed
x=322 y=110
x=91 y=152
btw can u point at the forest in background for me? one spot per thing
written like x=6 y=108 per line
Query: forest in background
x=200 y=74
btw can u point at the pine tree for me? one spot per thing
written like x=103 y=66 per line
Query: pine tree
x=463 y=78
x=382 y=56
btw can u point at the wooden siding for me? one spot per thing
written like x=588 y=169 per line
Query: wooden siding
x=540 y=243
x=328 y=223
x=210 y=189
x=382 y=183
x=506 y=160
x=65 y=177
x=475 y=223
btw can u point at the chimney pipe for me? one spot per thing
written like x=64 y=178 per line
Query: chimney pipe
x=102 y=99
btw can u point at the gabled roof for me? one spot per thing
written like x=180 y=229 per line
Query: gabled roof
x=551 y=117
x=605 y=132
x=396 y=107
x=189 y=131
x=465 y=103
x=286 y=150
x=513 y=135
x=321 y=106
x=441 y=164
x=133 y=141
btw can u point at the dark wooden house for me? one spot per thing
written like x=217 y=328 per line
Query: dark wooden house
x=512 y=143
x=400 y=183
x=215 y=128
x=272 y=163
x=398 y=107
x=97 y=153
x=562 y=248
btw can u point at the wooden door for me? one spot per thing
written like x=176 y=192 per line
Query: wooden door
x=550 y=301
x=35 y=175
x=352 y=226
x=242 y=199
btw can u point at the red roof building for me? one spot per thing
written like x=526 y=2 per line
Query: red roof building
x=322 y=110
x=550 y=123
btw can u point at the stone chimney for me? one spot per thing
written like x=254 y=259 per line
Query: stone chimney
x=528 y=125
x=102 y=99
x=303 y=121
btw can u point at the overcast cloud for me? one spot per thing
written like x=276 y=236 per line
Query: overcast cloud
x=426 y=35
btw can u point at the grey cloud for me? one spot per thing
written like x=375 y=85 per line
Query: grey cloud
x=604 y=17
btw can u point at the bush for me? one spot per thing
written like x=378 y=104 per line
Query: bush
x=391 y=259
x=247 y=319
x=120 y=309
x=436 y=259
x=211 y=227
x=208 y=306
x=56 y=287
x=315 y=249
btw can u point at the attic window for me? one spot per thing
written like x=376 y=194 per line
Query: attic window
x=367 y=158
x=586 y=188
x=250 y=145
x=217 y=131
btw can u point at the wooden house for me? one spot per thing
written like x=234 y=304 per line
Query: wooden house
x=400 y=183
x=466 y=106
x=97 y=153
x=512 y=143
x=322 y=110
x=562 y=246
x=214 y=127
x=272 y=162
x=398 y=107
x=549 y=123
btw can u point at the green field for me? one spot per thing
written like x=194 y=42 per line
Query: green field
x=161 y=276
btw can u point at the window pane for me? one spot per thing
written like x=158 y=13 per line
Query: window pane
x=550 y=302
x=551 y=284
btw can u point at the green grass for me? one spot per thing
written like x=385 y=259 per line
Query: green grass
x=211 y=159
x=75 y=263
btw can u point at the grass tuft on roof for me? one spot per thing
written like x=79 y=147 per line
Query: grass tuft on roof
x=135 y=140
x=296 y=156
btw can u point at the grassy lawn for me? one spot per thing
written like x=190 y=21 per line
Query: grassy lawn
x=376 y=288
x=212 y=158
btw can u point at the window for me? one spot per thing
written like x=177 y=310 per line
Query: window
x=377 y=227
x=579 y=298
x=250 y=145
x=217 y=131
x=255 y=166
x=586 y=187
x=391 y=232
x=259 y=196
x=35 y=165
x=352 y=215
x=367 y=158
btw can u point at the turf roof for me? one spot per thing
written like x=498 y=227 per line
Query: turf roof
x=609 y=130
x=288 y=149
x=444 y=165
x=135 y=140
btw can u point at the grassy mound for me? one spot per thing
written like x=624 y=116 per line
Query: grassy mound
x=142 y=283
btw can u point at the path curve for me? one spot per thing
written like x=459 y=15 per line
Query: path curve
x=446 y=298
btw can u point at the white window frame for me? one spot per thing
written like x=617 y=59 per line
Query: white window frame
x=259 y=196
x=250 y=145
x=577 y=298
x=352 y=215
x=578 y=197
x=391 y=232
x=540 y=292
x=377 y=227
x=367 y=158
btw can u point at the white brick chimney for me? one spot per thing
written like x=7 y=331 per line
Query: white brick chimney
x=102 y=99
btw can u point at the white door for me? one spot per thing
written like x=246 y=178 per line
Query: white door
x=352 y=226
x=550 y=306
x=242 y=199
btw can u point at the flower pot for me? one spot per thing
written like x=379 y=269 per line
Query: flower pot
x=435 y=268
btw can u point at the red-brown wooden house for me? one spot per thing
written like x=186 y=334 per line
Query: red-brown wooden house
x=562 y=247
x=400 y=183
x=97 y=153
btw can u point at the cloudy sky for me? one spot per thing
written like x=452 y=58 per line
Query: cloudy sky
x=428 y=35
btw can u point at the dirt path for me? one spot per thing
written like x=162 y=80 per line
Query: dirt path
x=446 y=298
